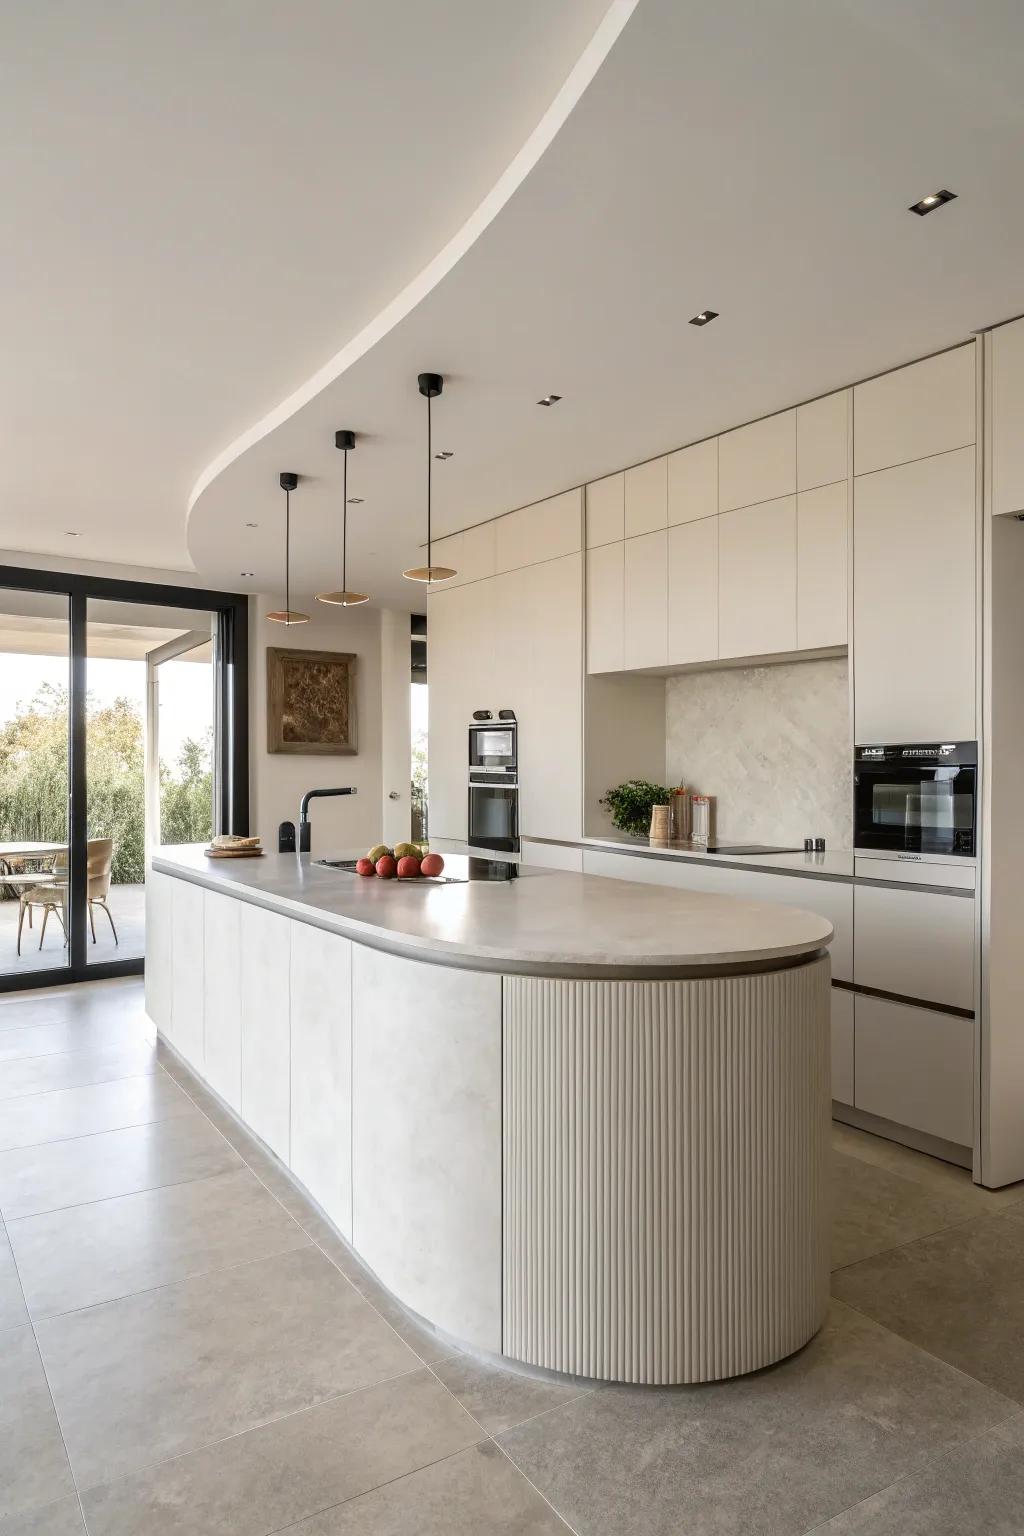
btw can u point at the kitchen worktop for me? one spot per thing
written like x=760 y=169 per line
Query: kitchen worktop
x=838 y=865
x=542 y=923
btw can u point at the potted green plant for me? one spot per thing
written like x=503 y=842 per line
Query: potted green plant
x=630 y=805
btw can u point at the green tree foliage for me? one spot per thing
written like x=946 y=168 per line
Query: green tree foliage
x=34 y=780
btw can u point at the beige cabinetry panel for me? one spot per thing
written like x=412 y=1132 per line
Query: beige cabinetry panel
x=914 y=601
x=823 y=441
x=757 y=579
x=460 y=640
x=187 y=942
x=222 y=993
x=1007 y=417
x=321 y=1068
x=645 y=601
x=693 y=592
x=914 y=412
x=605 y=575
x=605 y=510
x=693 y=482
x=266 y=1026
x=915 y=1066
x=757 y=462
x=919 y=944
x=842 y=1046
x=822 y=540
x=544 y=531
x=646 y=497
x=542 y=675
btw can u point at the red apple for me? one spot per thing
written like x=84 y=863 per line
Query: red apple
x=408 y=867
x=365 y=867
x=386 y=867
x=433 y=864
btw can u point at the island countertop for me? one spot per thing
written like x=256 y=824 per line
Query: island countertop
x=541 y=923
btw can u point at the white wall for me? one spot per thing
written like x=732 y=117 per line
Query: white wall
x=278 y=780
x=624 y=738
x=772 y=744
x=396 y=725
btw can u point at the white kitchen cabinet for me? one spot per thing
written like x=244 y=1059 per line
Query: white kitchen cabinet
x=1006 y=413
x=823 y=441
x=542 y=673
x=842 y=1046
x=915 y=412
x=222 y=996
x=822 y=541
x=757 y=462
x=915 y=1066
x=919 y=944
x=187 y=973
x=646 y=497
x=914 y=599
x=544 y=531
x=605 y=596
x=266 y=1028
x=159 y=962
x=461 y=628
x=552 y=856
x=645 y=601
x=321 y=1069
x=757 y=579
x=470 y=554
x=606 y=510
x=693 y=482
x=693 y=592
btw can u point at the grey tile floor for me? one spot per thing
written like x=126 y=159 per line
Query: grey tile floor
x=186 y=1346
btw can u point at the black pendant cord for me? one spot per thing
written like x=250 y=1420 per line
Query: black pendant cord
x=287 y=555
x=344 y=526
x=430 y=561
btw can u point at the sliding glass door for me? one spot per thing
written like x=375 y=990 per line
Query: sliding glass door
x=123 y=726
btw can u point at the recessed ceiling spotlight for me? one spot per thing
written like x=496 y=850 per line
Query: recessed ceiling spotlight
x=932 y=201
x=72 y=533
x=549 y=400
x=704 y=316
x=446 y=453
x=247 y=573
x=356 y=501
x=252 y=525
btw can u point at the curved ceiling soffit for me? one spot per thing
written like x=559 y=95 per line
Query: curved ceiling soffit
x=417 y=289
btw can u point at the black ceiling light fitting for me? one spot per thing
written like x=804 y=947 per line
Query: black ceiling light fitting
x=287 y=615
x=431 y=385
x=549 y=400
x=931 y=202
x=705 y=316
x=346 y=441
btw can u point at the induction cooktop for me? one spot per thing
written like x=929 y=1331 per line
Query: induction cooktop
x=749 y=848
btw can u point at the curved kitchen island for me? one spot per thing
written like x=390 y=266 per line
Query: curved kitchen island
x=574 y=1122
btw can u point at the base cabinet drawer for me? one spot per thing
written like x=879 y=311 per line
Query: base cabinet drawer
x=919 y=944
x=842 y=1046
x=915 y=1066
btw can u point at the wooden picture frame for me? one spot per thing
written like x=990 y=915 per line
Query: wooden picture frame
x=311 y=702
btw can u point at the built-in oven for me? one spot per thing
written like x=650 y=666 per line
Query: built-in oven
x=916 y=801
x=494 y=782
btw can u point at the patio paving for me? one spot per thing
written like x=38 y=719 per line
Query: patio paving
x=128 y=908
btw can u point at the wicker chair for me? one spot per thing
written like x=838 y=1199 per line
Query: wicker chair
x=51 y=895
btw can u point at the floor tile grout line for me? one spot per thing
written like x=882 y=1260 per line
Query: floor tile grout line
x=924 y=1237
x=106 y=1199
x=15 y=1098
x=919 y=1471
x=56 y=1141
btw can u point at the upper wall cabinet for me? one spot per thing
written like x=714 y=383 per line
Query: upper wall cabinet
x=914 y=577
x=823 y=441
x=693 y=591
x=693 y=482
x=470 y=554
x=545 y=531
x=645 y=601
x=646 y=498
x=605 y=579
x=926 y=408
x=822 y=539
x=1007 y=417
x=605 y=510
x=758 y=462
x=757 y=579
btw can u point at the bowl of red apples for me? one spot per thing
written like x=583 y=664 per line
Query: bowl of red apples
x=406 y=861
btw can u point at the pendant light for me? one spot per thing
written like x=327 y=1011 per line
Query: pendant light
x=344 y=599
x=286 y=615
x=431 y=385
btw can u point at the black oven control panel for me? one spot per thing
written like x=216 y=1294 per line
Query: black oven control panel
x=954 y=752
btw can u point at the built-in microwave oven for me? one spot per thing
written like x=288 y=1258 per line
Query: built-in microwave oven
x=494 y=783
x=917 y=800
x=492 y=745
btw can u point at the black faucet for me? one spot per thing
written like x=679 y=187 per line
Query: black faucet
x=286 y=832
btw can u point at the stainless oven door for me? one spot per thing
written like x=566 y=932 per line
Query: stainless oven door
x=494 y=816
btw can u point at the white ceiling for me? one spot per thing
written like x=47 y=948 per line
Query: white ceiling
x=199 y=245
x=205 y=199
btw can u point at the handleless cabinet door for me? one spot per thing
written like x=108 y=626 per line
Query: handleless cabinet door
x=321 y=1069
x=918 y=944
x=645 y=626
x=915 y=1067
x=266 y=1026
x=605 y=596
x=757 y=579
x=914 y=601
x=821 y=553
x=757 y=462
x=223 y=996
x=1007 y=416
x=605 y=511
x=915 y=412
x=693 y=592
x=842 y=1046
x=693 y=482
x=646 y=498
x=543 y=531
x=823 y=441
x=187 y=1021
x=548 y=697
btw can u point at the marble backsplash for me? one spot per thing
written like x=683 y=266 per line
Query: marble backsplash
x=772 y=744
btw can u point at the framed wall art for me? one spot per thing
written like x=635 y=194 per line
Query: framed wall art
x=311 y=702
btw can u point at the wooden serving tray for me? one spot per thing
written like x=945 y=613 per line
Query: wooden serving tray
x=234 y=853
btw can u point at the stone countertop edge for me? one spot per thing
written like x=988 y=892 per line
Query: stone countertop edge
x=544 y=924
